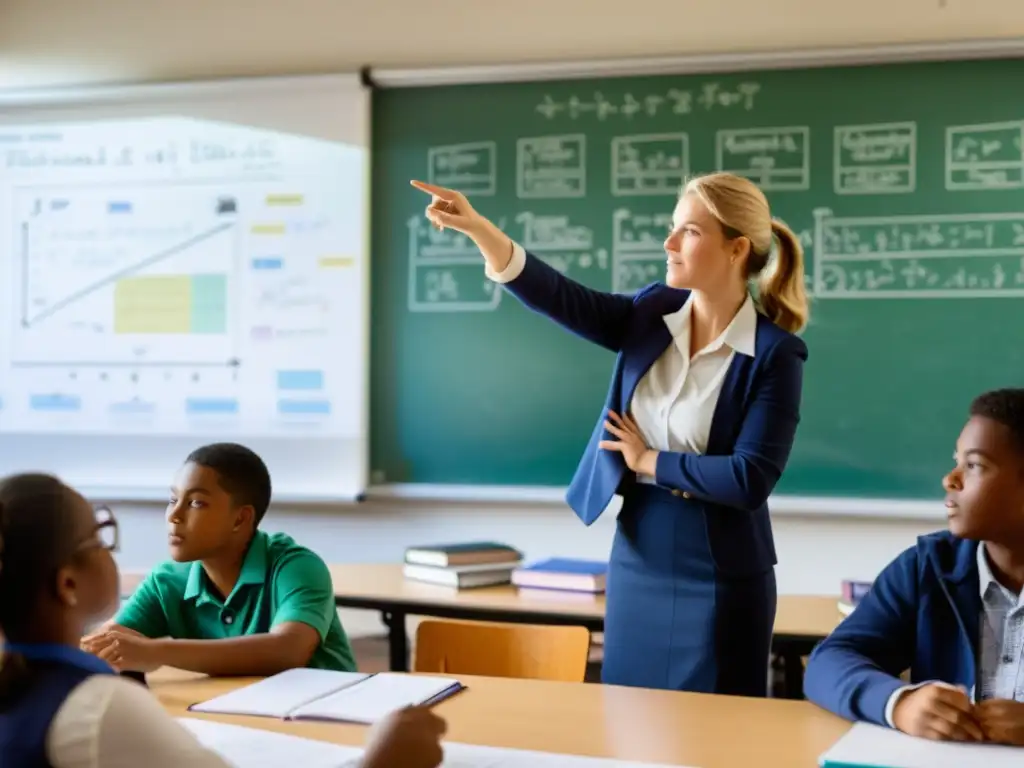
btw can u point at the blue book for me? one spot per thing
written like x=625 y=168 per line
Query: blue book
x=564 y=574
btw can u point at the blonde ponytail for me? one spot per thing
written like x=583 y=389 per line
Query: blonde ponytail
x=742 y=209
x=780 y=285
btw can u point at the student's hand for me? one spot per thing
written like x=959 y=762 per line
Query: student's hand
x=1002 y=721
x=407 y=738
x=99 y=636
x=631 y=444
x=937 y=711
x=99 y=641
x=130 y=652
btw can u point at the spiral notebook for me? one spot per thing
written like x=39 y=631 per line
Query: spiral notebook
x=317 y=694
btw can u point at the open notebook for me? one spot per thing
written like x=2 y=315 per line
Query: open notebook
x=317 y=694
x=872 y=746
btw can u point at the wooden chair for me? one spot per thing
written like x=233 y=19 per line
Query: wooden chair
x=531 y=651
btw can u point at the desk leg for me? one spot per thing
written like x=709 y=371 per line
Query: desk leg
x=793 y=674
x=398 y=641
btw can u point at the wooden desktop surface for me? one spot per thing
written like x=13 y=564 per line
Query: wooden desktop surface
x=797 y=615
x=583 y=719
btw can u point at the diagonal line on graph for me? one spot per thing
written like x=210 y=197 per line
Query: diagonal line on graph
x=147 y=262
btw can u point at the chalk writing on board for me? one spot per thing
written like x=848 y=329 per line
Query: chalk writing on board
x=674 y=101
x=919 y=257
x=567 y=247
x=876 y=159
x=649 y=164
x=986 y=156
x=446 y=272
x=638 y=250
x=470 y=168
x=551 y=166
x=774 y=158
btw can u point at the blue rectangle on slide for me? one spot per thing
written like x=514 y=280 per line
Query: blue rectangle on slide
x=304 y=407
x=129 y=407
x=268 y=262
x=211 y=406
x=55 y=402
x=300 y=380
x=119 y=206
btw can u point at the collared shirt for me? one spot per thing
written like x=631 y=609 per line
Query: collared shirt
x=674 y=403
x=1000 y=644
x=279 y=582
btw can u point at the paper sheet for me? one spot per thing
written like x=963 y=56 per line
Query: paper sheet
x=872 y=746
x=371 y=700
x=472 y=756
x=278 y=695
x=253 y=748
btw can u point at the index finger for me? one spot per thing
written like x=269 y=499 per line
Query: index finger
x=432 y=189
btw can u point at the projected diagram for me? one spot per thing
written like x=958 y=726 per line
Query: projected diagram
x=122 y=276
x=214 y=286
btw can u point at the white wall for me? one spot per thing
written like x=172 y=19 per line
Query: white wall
x=61 y=42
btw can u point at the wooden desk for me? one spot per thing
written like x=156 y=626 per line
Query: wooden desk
x=577 y=718
x=800 y=623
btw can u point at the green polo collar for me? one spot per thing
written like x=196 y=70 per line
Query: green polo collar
x=254 y=571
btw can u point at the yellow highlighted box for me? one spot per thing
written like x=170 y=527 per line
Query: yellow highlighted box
x=157 y=304
x=268 y=229
x=335 y=262
x=285 y=199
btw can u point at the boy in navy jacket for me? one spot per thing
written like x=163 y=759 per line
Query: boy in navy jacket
x=950 y=609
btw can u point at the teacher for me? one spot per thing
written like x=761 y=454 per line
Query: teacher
x=696 y=431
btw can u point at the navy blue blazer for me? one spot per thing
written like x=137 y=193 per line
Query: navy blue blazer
x=752 y=431
x=922 y=613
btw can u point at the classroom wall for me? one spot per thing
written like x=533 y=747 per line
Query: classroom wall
x=61 y=42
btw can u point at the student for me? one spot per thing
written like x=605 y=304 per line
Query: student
x=233 y=600
x=64 y=708
x=950 y=609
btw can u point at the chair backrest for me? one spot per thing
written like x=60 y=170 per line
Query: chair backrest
x=490 y=649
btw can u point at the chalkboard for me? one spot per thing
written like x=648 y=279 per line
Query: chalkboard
x=904 y=181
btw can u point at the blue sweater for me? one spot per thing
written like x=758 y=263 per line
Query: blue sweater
x=922 y=614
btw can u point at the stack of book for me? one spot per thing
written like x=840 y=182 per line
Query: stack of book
x=462 y=565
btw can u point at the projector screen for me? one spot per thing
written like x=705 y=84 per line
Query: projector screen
x=186 y=264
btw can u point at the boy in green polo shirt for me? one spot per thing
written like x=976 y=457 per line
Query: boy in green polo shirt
x=232 y=600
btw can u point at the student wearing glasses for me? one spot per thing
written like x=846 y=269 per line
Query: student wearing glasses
x=65 y=708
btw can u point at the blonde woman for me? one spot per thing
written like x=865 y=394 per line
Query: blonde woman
x=696 y=430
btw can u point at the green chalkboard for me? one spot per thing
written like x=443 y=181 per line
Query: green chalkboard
x=905 y=182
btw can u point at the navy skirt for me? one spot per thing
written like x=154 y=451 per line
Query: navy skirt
x=674 y=621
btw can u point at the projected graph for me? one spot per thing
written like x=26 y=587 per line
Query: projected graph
x=125 y=276
x=178 y=277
